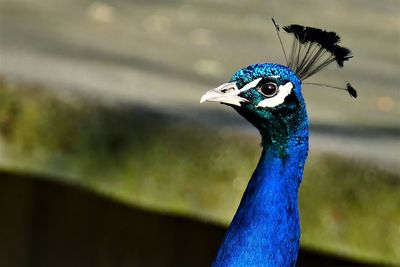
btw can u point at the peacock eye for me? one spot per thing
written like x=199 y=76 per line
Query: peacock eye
x=269 y=89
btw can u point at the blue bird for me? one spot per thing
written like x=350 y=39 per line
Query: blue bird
x=265 y=230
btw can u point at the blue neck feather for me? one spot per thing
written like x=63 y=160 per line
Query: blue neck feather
x=266 y=229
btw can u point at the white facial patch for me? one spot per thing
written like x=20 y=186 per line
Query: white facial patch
x=250 y=85
x=284 y=91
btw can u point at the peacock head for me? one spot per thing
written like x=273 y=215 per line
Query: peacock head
x=268 y=96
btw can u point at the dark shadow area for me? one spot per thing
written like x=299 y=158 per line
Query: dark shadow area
x=45 y=223
x=50 y=224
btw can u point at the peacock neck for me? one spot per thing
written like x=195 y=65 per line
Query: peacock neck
x=266 y=230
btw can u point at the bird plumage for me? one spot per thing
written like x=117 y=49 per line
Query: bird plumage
x=265 y=230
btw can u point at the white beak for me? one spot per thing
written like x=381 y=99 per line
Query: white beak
x=227 y=93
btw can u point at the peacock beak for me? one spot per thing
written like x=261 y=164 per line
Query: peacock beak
x=227 y=93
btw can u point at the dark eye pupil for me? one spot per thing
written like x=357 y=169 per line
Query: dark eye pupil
x=269 y=89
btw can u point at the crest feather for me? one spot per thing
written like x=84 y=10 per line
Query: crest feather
x=351 y=90
x=313 y=49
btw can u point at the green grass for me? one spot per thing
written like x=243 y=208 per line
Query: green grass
x=139 y=156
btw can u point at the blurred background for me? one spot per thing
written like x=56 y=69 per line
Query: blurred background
x=108 y=159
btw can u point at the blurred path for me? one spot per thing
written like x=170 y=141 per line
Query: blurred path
x=165 y=56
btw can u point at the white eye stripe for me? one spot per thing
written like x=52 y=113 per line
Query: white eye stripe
x=250 y=85
x=284 y=91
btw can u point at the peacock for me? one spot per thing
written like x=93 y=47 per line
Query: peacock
x=265 y=230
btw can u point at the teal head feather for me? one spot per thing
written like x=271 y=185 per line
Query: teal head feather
x=275 y=106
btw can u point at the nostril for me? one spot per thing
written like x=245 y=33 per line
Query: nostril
x=228 y=90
